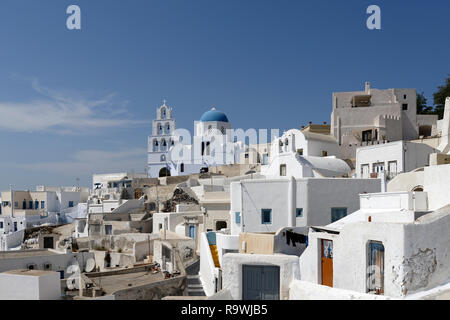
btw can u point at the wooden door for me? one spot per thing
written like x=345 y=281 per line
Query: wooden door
x=327 y=262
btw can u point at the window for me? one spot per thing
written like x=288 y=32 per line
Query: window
x=367 y=136
x=405 y=106
x=36 y=205
x=404 y=96
x=16 y=204
x=324 y=153
x=378 y=167
x=31 y=204
x=365 y=171
x=299 y=212
x=266 y=216
x=1 y=225
x=246 y=156
x=70 y=204
x=338 y=213
x=160 y=226
x=222 y=130
x=108 y=229
x=42 y=204
x=237 y=216
x=300 y=152
x=182 y=167
x=283 y=170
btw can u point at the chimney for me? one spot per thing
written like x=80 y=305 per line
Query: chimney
x=368 y=87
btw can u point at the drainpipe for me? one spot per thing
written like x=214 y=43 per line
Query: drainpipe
x=383 y=181
x=12 y=200
x=242 y=206
x=292 y=201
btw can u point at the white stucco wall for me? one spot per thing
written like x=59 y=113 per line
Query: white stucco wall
x=45 y=286
x=232 y=271
x=315 y=196
x=408 y=156
x=304 y=290
x=417 y=256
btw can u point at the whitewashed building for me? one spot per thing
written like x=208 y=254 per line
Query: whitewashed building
x=394 y=246
x=30 y=285
x=392 y=158
x=266 y=205
x=361 y=118
x=304 y=154
x=174 y=152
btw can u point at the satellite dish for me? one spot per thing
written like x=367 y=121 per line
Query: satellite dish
x=90 y=265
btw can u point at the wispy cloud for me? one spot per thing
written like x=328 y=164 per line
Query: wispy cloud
x=64 y=113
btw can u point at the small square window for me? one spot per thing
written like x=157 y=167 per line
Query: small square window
x=70 y=204
x=299 y=212
x=338 y=213
x=237 y=216
x=300 y=152
x=266 y=216
x=404 y=106
x=404 y=96
x=324 y=153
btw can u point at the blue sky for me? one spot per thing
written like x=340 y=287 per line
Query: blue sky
x=77 y=102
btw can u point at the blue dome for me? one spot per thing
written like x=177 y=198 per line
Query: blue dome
x=214 y=115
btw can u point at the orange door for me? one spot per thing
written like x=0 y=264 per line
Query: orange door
x=327 y=262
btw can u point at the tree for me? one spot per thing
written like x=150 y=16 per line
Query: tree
x=422 y=107
x=439 y=97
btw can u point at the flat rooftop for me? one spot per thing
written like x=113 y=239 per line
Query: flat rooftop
x=115 y=282
x=26 y=254
x=25 y=272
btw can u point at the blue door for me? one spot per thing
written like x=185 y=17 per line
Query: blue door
x=260 y=282
x=192 y=231
x=15 y=226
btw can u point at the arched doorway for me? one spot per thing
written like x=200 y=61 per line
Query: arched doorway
x=221 y=225
x=164 y=172
x=417 y=189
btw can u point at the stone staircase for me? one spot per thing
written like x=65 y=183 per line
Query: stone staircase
x=194 y=285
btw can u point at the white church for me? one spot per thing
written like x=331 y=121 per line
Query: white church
x=173 y=152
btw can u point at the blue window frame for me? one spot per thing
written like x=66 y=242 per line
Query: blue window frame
x=31 y=205
x=338 y=213
x=36 y=205
x=42 y=204
x=70 y=204
x=237 y=216
x=266 y=216
x=299 y=212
